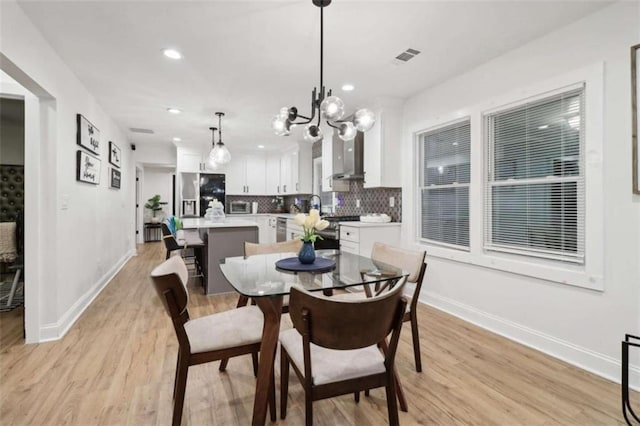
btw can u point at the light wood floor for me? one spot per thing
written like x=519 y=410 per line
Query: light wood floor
x=116 y=366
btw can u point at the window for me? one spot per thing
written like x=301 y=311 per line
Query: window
x=534 y=204
x=444 y=186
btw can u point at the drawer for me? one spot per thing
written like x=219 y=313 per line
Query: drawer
x=349 y=233
x=350 y=247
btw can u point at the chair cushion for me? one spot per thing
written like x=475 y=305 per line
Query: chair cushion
x=236 y=327
x=329 y=365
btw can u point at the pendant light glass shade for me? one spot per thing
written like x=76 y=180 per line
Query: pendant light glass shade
x=211 y=161
x=312 y=133
x=364 y=119
x=220 y=154
x=280 y=125
x=332 y=108
x=347 y=131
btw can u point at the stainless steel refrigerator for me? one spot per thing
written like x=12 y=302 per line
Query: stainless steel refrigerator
x=212 y=186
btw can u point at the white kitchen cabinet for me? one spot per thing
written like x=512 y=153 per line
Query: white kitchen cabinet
x=246 y=175
x=358 y=238
x=285 y=173
x=301 y=167
x=273 y=174
x=382 y=151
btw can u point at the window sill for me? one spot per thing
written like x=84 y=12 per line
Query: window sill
x=554 y=271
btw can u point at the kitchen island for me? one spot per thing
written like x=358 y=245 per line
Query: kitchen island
x=222 y=239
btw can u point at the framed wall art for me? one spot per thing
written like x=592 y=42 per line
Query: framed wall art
x=88 y=135
x=87 y=168
x=635 y=108
x=114 y=181
x=115 y=154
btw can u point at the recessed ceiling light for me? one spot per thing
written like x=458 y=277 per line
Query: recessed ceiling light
x=174 y=110
x=260 y=146
x=177 y=139
x=348 y=87
x=455 y=144
x=172 y=53
x=546 y=126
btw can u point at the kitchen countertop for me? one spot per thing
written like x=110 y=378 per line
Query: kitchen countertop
x=197 y=223
x=369 y=224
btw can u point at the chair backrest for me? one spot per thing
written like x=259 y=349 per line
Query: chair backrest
x=170 y=242
x=346 y=324
x=170 y=281
x=407 y=260
x=291 y=246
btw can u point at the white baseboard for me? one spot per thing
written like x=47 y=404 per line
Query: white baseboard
x=56 y=330
x=602 y=365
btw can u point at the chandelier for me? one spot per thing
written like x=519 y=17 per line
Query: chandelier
x=330 y=107
x=219 y=153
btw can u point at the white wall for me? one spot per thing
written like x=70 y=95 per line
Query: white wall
x=155 y=153
x=82 y=249
x=582 y=326
x=157 y=180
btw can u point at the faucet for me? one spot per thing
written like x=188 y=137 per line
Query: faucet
x=313 y=206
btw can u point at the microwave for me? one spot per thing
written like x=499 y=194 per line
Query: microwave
x=240 y=207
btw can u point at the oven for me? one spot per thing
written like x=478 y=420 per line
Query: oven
x=331 y=234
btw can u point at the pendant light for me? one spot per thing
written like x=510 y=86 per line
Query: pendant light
x=211 y=160
x=330 y=107
x=219 y=152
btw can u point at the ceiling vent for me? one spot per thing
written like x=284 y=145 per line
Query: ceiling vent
x=406 y=56
x=138 y=130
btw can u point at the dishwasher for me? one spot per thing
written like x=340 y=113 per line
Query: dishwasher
x=281 y=229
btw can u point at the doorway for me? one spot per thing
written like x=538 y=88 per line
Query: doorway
x=12 y=209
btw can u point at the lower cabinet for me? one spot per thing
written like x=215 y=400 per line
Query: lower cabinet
x=359 y=239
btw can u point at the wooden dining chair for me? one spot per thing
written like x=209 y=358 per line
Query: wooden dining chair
x=205 y=339
x=409 y=261
x=339 y=347
x=252 y=249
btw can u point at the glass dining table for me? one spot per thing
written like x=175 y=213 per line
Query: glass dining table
x=257 y=277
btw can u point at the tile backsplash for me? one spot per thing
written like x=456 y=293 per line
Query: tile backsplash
x=372 y=200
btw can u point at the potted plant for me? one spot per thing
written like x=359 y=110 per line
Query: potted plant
x=310 y=224
x=153 y=204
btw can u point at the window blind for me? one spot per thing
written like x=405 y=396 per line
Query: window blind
x=534 y=204
x=444 y=187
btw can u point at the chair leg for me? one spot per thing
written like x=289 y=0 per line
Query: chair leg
x=284 y=383
x=416 y=341
x=14 y=285
x=392 y=405
x=254 y=359
x=223 y=364
x=308 y=408
x=181 y=385
x=366 y=392
x=175 y=380
x=356 y=396
x=400 y=392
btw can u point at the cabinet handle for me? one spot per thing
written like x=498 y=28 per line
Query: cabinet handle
x=247 y=189
x=297 y=186
x=278 y=189
x=284 y=188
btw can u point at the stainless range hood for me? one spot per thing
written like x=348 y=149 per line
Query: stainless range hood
x=348 y=158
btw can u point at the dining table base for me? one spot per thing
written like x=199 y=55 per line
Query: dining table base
x=271 y=307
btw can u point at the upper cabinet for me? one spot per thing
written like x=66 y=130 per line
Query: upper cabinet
x=289 y=173
x=246 y=175
x=282 y=173
x=194 y=160
x=382 y=149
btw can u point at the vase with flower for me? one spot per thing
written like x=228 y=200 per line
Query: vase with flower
x=310 y=225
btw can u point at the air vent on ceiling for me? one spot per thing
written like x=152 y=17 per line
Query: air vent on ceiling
x=406 y=56
x=138 y=130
